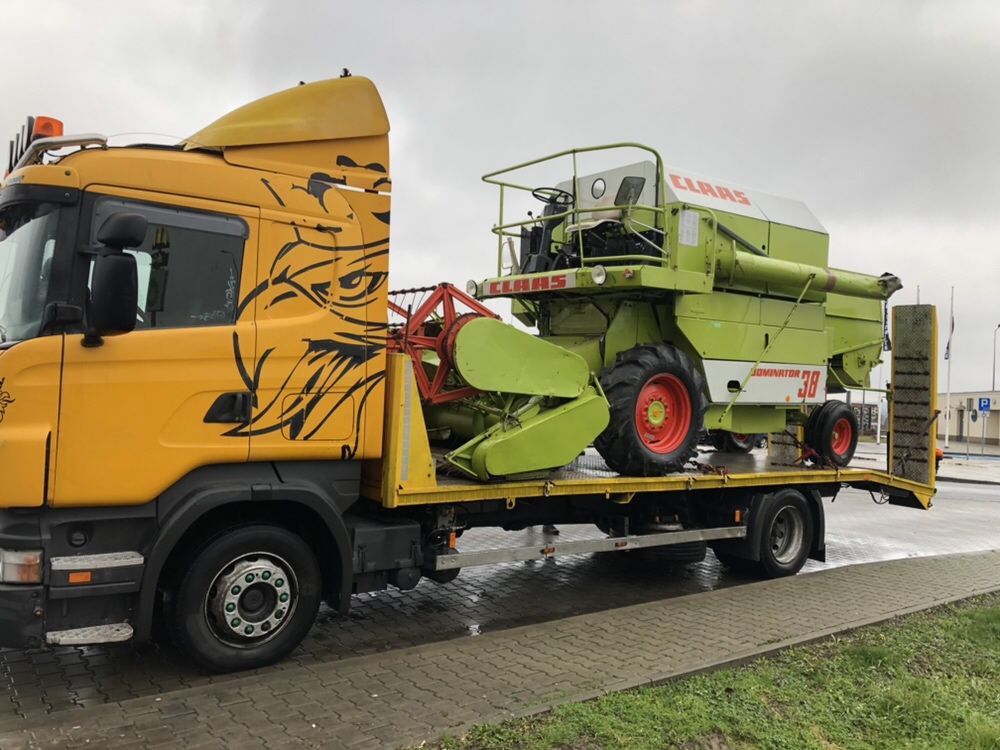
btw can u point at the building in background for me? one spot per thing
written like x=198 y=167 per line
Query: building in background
x=963 y=425
x=867 y=415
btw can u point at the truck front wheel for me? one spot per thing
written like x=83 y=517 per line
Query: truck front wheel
x=248 y=598
x=657 y=410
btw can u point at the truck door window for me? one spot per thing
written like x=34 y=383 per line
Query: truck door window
x=188 y=266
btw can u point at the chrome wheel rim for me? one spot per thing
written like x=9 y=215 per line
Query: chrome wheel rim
x=251 y=600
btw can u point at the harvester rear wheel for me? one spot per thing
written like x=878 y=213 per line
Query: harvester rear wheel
x=832 y=431
x=733 y=442
x=657 y=408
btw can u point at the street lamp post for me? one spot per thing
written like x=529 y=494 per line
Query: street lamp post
x=995 y=356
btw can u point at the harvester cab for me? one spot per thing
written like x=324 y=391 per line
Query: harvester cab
x=605 y=222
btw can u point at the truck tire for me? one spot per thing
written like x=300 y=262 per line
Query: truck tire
x=687 y=553
x=657 y=409
x=248 y=598
x=739 y=564
x=786 y=533
x=832 y=431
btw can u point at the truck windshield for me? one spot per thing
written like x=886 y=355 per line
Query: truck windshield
x=27 y=243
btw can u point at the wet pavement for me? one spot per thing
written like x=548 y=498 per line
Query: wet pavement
x=493 y=598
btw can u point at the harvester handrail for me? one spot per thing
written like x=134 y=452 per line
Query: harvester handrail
x=500 y=229
x=489 y=177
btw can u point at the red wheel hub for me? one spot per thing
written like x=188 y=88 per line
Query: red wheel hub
x=663 y=413
x=843 y=434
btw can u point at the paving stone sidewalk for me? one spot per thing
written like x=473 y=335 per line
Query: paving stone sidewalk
x=408 y=695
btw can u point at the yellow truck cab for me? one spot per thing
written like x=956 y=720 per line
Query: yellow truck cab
x=204 y=421
x=253 y=297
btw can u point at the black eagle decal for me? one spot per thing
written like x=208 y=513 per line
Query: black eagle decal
x=5 y=400
x=310 y=380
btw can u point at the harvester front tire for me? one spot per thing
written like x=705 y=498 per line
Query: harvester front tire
x=657 y=408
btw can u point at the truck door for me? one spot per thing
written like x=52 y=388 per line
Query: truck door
x=31 y=229
x=145 y=408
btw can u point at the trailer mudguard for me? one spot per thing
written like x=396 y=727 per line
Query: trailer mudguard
x=749 y=546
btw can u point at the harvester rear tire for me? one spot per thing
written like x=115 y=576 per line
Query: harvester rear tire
x=657 y=402
x=835 y=433
x=809 y=433
x=731 y=442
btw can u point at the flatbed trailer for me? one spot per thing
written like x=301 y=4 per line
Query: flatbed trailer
x=719 y=502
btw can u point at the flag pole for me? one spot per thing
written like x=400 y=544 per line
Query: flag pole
x=947 y=355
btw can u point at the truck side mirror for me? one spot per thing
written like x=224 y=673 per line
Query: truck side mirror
x=123 y=230
x=114 y=296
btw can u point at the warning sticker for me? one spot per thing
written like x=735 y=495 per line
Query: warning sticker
x=689 y=225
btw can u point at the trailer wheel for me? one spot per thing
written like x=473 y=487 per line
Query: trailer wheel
x=657 y=409
x=786 y=533
x=832 y=431
x=248 y=598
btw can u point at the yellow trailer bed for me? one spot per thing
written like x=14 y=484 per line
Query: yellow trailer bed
x=408 y=475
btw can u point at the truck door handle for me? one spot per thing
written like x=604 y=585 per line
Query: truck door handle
x=230 y=407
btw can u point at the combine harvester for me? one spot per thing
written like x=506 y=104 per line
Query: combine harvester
x=694 y=304
x=213 y=416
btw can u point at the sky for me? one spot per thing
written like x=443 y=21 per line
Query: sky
x=881 y=117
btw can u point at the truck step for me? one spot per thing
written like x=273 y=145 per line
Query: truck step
x=114 y=633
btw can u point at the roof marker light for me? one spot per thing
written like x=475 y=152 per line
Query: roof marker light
x=46 y=127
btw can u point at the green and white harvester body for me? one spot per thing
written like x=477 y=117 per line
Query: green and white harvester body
x=694 y=304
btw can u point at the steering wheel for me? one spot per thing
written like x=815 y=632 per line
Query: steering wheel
x=553 y=196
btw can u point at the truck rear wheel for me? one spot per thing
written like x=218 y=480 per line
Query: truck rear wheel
x=248 y=598
x=786 y=532
x=783 y=527
x=657 y=408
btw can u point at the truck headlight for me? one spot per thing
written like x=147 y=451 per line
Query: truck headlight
x=20 y=566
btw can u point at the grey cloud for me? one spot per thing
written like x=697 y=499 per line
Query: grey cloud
x=880 y=116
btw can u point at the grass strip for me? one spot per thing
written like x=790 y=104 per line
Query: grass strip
x=928 y=680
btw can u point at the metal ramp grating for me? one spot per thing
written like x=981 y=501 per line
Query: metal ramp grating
x=913 y=406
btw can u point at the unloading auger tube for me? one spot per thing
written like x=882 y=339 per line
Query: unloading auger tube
x=506 y=402
x=740 y=267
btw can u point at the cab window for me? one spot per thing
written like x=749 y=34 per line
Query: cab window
x=188 y=266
